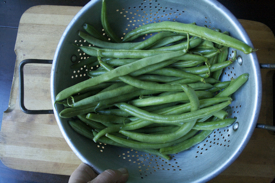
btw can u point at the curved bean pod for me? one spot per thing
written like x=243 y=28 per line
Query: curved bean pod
x=91 y=123
x=192 y=96
x=105 y=23
x=234 y=86
x=160 y=138
x=171 y=119
x=194 y=30
x=186 y=144
x=95 y=33
x=214 y=124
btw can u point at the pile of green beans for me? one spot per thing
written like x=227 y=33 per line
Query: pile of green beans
x=162 y=95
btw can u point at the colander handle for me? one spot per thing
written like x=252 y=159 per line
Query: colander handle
x=264 y=126
x=21 y=86
x=267 y=66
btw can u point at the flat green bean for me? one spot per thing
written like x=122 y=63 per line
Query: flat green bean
x=194 y=30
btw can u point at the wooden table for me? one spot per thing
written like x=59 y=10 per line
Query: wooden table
x=34 y=142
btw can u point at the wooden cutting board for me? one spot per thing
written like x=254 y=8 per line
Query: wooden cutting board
x=34 y=142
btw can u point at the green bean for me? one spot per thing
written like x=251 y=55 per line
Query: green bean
x=204 y=69
x=82 y=63
x=213 y=60
x=172 y=119
x=167 y=93
x=112 y=53
x=219 y=86
x=95 y=73
x=156 y=152
x=173 y=110
x=193 y=43
x=105 y=23
x=82 y=129
x=147 y=85
x=155 y=129
x=211 y=80
x=79 y=97
x=160 y=138
x=184 y=81
x=120 y=71
x=108 y=141
x=112 y=87
x=167 y=41
x=221 y=58
x=177 y=73
x=192 y=96
x=204 y=119
x=221 y=114
x=153 y=67
x=157 y=78
x=187 y=63
x=138 y=145
x=106 y=103
x=204 y=51
x=107 y=118
x=92 y=31
x=152 y=40
x=194 y=30
x=214 y=124
x=119 y=62
x=104 y=95
x=105 y=44
x=169 y=129
x=71 y=112
x=109 y=129
x=187 y=107
x=158 y=107
x=186 y=144
x=91 y=123
x=177 y=97
x=206 y=44
x=234 y=86
x=116 y=112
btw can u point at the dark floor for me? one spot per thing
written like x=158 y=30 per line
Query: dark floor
x=10 y=13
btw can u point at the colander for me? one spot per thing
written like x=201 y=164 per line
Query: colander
x=203 y=161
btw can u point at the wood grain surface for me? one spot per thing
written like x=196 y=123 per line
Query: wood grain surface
x=34 y=142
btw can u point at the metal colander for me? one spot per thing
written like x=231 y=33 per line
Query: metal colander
x=203 y=161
